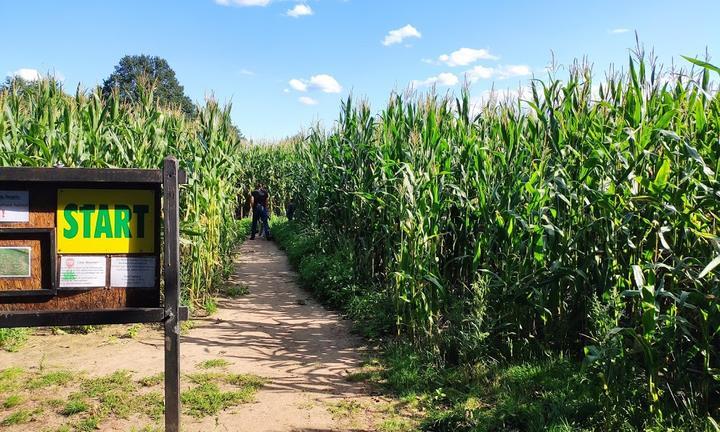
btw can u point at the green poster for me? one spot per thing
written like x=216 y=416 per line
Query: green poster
x=14 y=262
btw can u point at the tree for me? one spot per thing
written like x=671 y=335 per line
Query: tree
x=18 y=84
x=130 y=73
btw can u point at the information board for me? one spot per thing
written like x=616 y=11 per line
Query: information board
x=82 y=246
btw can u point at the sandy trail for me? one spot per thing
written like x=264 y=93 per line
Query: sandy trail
x=276 y=331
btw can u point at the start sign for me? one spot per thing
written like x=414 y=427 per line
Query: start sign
x=105 y=221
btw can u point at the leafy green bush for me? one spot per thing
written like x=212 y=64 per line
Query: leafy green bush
x=326 y=268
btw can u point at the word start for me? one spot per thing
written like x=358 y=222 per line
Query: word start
x=104 y=222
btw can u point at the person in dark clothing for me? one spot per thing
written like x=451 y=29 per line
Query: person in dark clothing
x=258 y=202
x=290 y=211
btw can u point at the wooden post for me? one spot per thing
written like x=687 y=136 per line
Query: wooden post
x=171 y=267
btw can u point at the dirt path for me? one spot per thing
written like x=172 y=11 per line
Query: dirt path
x=276 y=331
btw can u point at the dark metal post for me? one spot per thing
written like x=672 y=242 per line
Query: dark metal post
x=171 y=268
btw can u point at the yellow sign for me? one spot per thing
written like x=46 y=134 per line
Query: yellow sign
x=95 y=221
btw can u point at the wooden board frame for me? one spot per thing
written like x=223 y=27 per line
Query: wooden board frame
x=165 y=181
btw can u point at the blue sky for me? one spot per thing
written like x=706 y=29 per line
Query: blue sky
x=283 y=72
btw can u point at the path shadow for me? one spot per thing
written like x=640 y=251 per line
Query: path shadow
x=311 y=348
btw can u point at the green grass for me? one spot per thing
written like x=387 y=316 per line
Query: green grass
x=250 y=381
x=153 y=405
x=210 y=306
x=208 y=399
x=152 y=380
x=74 y=406
x=213 y=363
x=396 y=425
x=10 y=379
x=89 y=424
x=119 y=381
x=12 y=339
x=88 y=402
x=530 y=396
x=236 y=290
x=12 y=401
x=56 y=378
x=211 y=394
x=18 y=417
x=345 y=409
x=133 y=331
x=79 y=330
x=186 y=326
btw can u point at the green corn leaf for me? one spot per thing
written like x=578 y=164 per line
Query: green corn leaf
x=710 y=267
x=702 y=64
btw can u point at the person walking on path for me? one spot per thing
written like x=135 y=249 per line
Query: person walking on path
x=258 y=203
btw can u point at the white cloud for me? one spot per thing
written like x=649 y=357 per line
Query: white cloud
x=247 y=72
x=322 y=82
x=325 y=83
x=243 y=3
x=618 y=31
x=298 y=85
x=510 y=71
x=479 y=73
x=27 y=74
x=444 y=79
x=306 y=100
x=300 y=10
x=501 y=72
x=466 y=56
x=398 y=35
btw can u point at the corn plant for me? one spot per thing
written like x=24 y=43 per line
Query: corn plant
x=581 y=218
x=40 y=125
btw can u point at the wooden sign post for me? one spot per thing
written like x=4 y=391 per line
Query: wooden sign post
x=82 y=246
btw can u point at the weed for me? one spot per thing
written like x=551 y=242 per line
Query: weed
x=205 y=377
x=89 y=424
x=74 y=406
x=207 y=399
x=18 y=417
x=12 y=339
x=12 y=401
x=245 y=380
x=210 y=306
x=152 y=380
x=117 y=381
x=186 y=326
x=133 y=330
x=213 y=363
x=153 y=404
x=395 y=424
x=57 y=378
x=236 y=290
x=345 y=409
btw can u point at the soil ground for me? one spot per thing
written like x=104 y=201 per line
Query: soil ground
x=277 y=331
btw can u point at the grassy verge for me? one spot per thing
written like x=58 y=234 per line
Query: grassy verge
x=552 y=391
x=73 y=401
